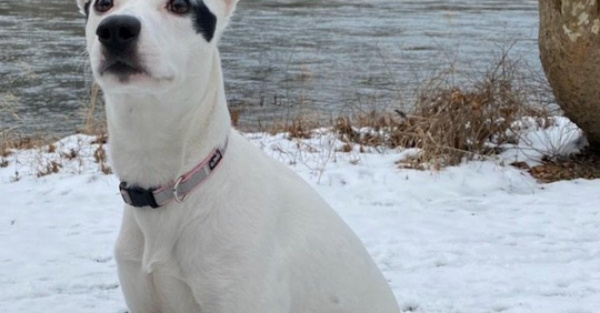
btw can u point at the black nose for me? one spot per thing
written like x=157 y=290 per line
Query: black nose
x=119 y=32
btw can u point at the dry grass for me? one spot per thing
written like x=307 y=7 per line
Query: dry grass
x=50 y=159
x=299 y=127
x=101 y=158
x=12 y=140
x=94 y=125
x=52 y=167
x=450 y=123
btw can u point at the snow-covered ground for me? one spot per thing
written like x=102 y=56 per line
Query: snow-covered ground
x=478 y=238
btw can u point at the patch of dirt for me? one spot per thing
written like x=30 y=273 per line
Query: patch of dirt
x=584 y=165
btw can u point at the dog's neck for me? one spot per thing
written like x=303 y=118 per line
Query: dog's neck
x=153 y=139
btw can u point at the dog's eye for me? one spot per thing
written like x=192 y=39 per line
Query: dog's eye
x=103 y=5
x=179 y=6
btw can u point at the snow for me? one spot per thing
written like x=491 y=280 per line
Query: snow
x=477 y=238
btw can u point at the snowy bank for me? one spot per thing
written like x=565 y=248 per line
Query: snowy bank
x=480 y=237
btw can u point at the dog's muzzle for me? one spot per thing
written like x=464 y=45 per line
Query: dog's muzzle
x=119 y=35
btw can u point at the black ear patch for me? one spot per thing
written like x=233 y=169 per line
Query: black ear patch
x=205 y=22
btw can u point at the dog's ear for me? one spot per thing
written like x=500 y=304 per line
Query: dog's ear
x=230 y=6
x=84 y=6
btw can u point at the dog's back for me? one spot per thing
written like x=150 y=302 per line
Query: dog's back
x=316 y=259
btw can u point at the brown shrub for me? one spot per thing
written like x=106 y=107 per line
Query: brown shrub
x=12 y=140
x=450 y=123
x=101 y=158
x=299 y=128
x=52 y=167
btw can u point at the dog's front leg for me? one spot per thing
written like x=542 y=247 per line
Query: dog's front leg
x=137 y=286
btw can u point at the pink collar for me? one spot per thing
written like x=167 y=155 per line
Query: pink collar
x=177 y=190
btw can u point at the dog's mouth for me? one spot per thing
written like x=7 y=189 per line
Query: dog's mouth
x=123 y=68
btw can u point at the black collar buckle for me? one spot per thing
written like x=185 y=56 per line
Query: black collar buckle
x=138 y=197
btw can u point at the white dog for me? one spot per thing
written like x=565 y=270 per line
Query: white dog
x=232 y=231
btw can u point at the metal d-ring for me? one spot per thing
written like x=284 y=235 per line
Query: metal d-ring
x=176 y=193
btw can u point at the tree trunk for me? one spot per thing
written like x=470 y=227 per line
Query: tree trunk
x=570 y=54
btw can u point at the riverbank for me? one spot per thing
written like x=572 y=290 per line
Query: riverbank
x=449 y=122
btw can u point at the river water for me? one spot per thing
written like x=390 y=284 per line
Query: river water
x=280 y=57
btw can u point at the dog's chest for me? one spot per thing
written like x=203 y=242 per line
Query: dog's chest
x=161 y=231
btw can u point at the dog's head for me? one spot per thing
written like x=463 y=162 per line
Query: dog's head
x=150 y=45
